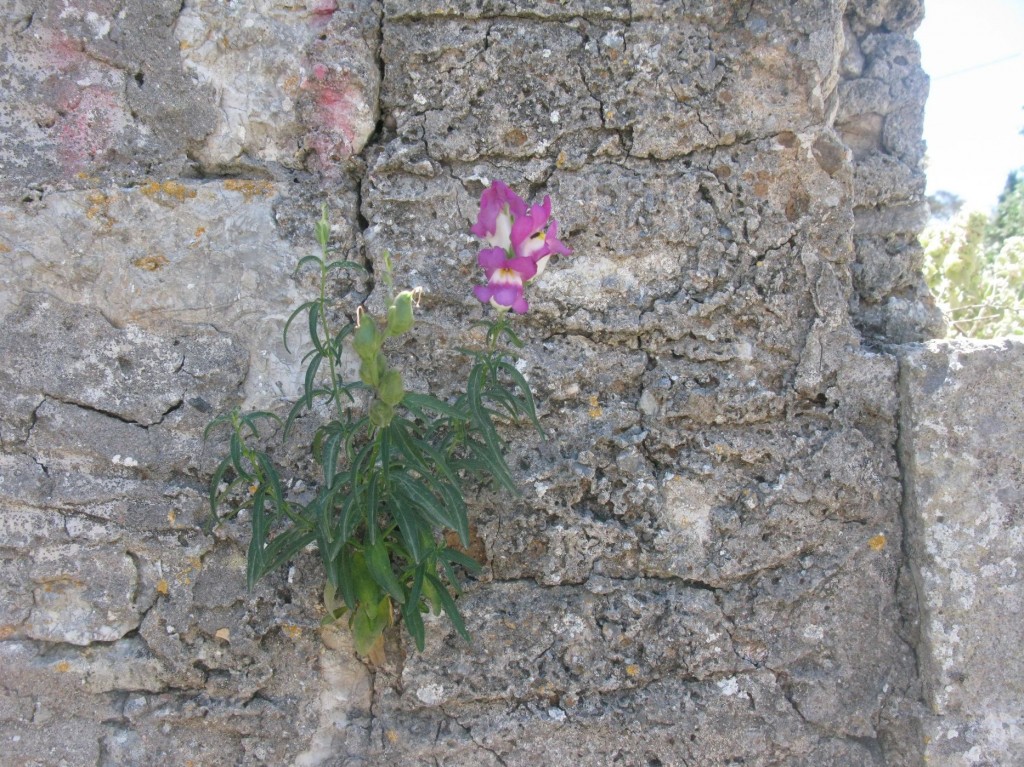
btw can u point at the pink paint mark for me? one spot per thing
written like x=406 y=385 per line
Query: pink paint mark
x=337 y=105
x=85 y=133
x=322 y=11
x=86 y=96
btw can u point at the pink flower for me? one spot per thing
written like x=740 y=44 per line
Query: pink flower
x=522 y=237
x=532 y=237
x=505 y=279
x=498 y=206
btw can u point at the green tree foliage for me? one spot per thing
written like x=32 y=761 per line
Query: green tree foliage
x=974 y=265
x=1008 y=219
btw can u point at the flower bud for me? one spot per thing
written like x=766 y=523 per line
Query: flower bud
x=391 y=389
x=367 y=339
x=381 y=414
x=370 y=371
x=400 y=318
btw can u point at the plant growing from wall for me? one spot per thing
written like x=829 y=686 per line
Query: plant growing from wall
x=392 y=463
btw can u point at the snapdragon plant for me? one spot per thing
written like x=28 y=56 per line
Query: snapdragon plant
x=392 y=463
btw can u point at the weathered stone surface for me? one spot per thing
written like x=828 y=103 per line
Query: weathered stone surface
x=707 y=563
x=293 y=84
x=94 y=89
x=158 y=256
x=963 y=425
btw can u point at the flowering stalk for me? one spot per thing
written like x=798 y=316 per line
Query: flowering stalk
x=392 y=475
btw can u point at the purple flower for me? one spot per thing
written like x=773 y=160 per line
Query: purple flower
x=532 y=237
x=522 y=239
x=505 y=278
x=498 y=206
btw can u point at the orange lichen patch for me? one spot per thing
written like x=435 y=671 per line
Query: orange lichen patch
x=561 y=160
x=6 y=631
x=477 y=548
x=595 y=410
x=392 y=736
x=99 y=205
x=166 y=192
x=877 y=542
x=632 y=669
x=172 y=517
x=163 y=588
x=60 y=584
x=249 y=188
x=5 y=248
x=62 y=666
x=195 y=564
x=291 y=631
x=515 y=137
x=151 y=263
x=200 y=231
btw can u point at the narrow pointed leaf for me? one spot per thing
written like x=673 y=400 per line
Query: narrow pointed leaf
x=448 y=604
x=379 y=564
x=293 y=315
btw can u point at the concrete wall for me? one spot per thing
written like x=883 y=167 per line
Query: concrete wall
x=708 y=563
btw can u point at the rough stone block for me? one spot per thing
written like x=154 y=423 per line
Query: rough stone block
x=291 y=84
x=94 y=89
x=963 y=425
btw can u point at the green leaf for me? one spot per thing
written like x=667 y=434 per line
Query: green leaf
x=296 y=409
x=270 y=474
x=305 y=260
x=459 y=558
x=367 y=592
x=423 y=500
x=448 y=604
x=420 y=402
x=493 y=454
x=215 y=480
x=352 y=513
x=401 y=511
x=222 y=418
x=411 y=613
x=255 y=561
x=366 y=629
x=311 y=372
x=249 y=419
x=379 y=564
x=329 y=461
x=236 y=458
x=521 y=382
x=495 y=463
x=343 y=574
x=430 y=595
x=314 y=323
x=293 y=315
x=346 y=265
x=286 y=545
x=340 y=336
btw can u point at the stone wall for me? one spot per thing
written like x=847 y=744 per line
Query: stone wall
x=707 y=565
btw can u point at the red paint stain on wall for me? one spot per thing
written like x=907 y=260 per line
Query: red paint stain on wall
x=338 y=111
x=86 y=132
x=88 y=99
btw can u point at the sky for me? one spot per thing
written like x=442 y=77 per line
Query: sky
x=973 y=50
